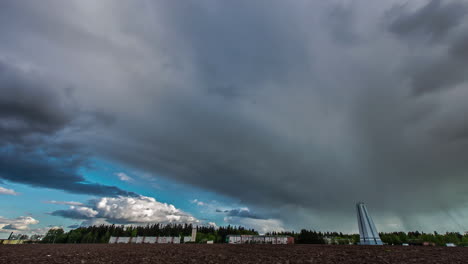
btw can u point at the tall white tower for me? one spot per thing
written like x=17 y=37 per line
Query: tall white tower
x=194 y=234
x=367 y=231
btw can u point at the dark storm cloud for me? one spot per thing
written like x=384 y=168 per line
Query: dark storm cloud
x=32 y=113
x=443 y=21
x=435 y=20
x=440 y=73
x=236 y=46
x=293 y=109
x=28 y=107
x=459 y=48
x=41 y=171
x=341 y=22
x=314 y=126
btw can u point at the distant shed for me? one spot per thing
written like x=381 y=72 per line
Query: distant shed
x=11 y=241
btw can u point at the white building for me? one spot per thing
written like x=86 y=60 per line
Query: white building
x=143 y=239
x=255 y=239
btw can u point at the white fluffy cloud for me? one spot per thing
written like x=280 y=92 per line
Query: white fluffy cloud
x=197 y=202
x=84 y=211
x=123 y=176
x=7 y=191
x=141 y=209
x=121 y=209
x=21 y=223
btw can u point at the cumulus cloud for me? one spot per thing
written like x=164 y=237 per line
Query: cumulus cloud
x=77 y=212
x=21 y=223
x=7 y=191
x=140 y=209
x=126 y=210
x=299 y=108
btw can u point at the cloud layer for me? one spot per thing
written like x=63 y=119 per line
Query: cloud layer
x=7 y=191
x=126 y=210
x=298 y=109
x=34 y=116
x=65 y=202
x=17 y=224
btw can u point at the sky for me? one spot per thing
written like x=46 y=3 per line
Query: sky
x=270 y=114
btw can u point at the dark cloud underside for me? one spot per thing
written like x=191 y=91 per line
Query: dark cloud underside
x=32 y=115
x=297 y=109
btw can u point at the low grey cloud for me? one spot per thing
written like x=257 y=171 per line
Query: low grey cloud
x=296 y=109
x=242 y=212
x=21 y=223
x=76 y=212
x=64 y=202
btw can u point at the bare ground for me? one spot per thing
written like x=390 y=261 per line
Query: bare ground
x=223 y=253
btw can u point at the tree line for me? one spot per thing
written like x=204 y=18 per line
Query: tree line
x=394 y=238
x=418 y=238
x=102 y=233
x=313 y=237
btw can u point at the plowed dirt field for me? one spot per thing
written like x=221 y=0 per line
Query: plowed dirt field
x=223 y=253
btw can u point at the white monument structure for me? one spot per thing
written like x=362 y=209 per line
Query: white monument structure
x=367 y=231
x=194 y=234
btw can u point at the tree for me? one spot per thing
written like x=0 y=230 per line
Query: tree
x=54 y=235
x=74 y=236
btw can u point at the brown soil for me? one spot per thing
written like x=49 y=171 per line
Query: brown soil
x=223 y=253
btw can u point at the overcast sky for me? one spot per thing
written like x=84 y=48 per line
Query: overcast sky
x=276 y=115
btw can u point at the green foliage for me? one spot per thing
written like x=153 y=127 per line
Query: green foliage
x=102 y=233
x=74 y=236
x=314 y=237
x=395 y=238
x=310 y=237
x=55 y=235
x=419 y=238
